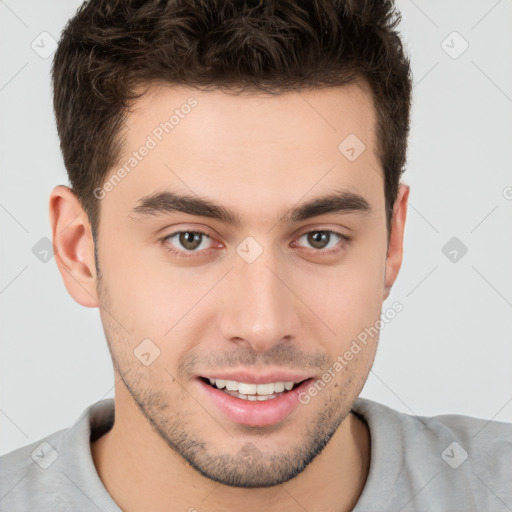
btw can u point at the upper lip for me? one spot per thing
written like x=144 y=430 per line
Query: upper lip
x=260 y=378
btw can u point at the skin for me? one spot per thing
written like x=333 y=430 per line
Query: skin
x=292 y=308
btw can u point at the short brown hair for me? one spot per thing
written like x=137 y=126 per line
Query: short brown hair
x=111 y=48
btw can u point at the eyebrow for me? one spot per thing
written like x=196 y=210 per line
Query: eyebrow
x=161 y=203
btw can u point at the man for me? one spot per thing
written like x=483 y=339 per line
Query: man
x=237 y=216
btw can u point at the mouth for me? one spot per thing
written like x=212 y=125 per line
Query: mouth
x=257 y=405
x=252 y=392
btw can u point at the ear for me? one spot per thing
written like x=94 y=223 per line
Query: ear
x=73 y=246
x=396 y=238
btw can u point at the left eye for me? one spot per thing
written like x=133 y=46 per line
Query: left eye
x=320 y=240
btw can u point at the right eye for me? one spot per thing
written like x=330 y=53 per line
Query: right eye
x=190 y=242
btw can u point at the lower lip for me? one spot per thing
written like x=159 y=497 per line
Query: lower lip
x=255 y=413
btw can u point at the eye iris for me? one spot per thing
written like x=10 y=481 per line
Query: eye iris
x=190 y=240
x=318 y=239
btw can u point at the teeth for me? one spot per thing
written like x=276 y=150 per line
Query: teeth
x=252 y=398
x=253 y=391
x=245 y=389
x=264 y=389
x=279 y=387
x=231 y=385
x=220 y=383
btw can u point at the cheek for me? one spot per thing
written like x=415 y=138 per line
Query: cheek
x=348 y=296
x=157 y=300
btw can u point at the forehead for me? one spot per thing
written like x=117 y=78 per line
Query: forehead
x=249 y=149
x=218 y=117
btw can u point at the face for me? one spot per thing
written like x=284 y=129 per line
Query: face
x=240 y=280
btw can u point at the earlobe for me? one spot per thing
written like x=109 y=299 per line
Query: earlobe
x=396 y=239
x=73 y=245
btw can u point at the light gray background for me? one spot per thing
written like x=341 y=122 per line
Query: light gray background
x=448 y=351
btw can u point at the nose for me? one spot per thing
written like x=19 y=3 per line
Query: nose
x=259 y=307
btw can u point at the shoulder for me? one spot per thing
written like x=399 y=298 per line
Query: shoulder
x=475 y=433
x=26 y=471
x=57 y=473
x=440 y=460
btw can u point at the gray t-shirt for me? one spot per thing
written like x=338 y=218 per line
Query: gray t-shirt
x=443 y=463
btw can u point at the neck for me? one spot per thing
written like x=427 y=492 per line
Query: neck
x=141 y=472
